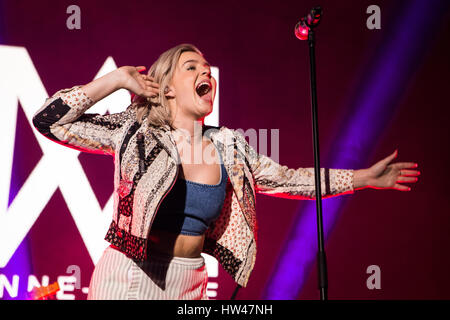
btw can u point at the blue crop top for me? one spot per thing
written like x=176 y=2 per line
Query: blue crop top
x=190 y=207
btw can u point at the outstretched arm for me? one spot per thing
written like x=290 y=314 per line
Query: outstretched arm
x=272 y=178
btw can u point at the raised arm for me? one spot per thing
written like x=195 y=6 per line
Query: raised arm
x=62 y=118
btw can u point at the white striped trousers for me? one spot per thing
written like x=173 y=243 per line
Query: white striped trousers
x=117 y=277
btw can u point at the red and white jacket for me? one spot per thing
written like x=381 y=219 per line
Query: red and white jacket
x=232 y=237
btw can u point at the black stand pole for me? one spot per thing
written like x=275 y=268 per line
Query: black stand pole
x=233 y=296
x=321 y=257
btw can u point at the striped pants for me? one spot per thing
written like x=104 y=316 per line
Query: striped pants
x=117 y=277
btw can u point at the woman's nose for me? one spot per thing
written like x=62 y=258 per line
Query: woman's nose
x=206 y=72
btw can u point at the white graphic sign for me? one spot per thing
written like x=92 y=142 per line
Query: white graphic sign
x=20 y=82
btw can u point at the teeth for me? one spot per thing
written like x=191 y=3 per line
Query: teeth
x=203 y=88
x=202 y=83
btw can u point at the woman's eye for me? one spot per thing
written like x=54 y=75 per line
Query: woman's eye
x=191 y=67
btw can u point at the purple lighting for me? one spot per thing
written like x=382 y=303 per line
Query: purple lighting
x=405 y=43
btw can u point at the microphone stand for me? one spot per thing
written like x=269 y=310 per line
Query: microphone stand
x=321 y=256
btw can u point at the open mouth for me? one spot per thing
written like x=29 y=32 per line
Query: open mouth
x=203 y=88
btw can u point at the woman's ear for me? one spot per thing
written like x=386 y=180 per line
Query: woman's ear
x=169 y=92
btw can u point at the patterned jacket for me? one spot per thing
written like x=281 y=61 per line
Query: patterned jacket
x=232 y=237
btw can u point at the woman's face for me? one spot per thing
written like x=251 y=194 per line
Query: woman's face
x=192 y=87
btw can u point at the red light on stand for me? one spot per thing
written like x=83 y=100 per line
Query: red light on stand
x=301 y=30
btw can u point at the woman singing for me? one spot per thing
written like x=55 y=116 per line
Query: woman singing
x=169 y=204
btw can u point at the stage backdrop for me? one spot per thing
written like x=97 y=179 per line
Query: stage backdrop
x=382 y=70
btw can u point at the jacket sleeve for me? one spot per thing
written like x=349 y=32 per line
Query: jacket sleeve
x=274 y=179
x=62 y=120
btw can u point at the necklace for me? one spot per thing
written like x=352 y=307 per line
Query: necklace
x=187 y=136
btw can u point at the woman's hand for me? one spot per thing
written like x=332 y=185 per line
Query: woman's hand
x=387 y=175
x=139 y=84
x=124 y=77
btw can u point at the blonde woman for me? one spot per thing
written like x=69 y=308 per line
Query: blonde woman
x=169 y=206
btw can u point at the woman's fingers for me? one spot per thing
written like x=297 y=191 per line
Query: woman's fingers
x=151 y=92
x=391 y=157
x=406 y=176
x=404 y=165
x=147 y=86
x=152 y=84
x=150 y=81
x=401 y=187
x=402 y=179
x=409 y=173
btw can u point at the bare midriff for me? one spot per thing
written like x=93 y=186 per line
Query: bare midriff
x=178 y=245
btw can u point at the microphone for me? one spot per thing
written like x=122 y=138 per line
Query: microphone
x=313 y=17
x=311 y=20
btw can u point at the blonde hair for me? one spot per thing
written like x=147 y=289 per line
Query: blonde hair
x=157 y=109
